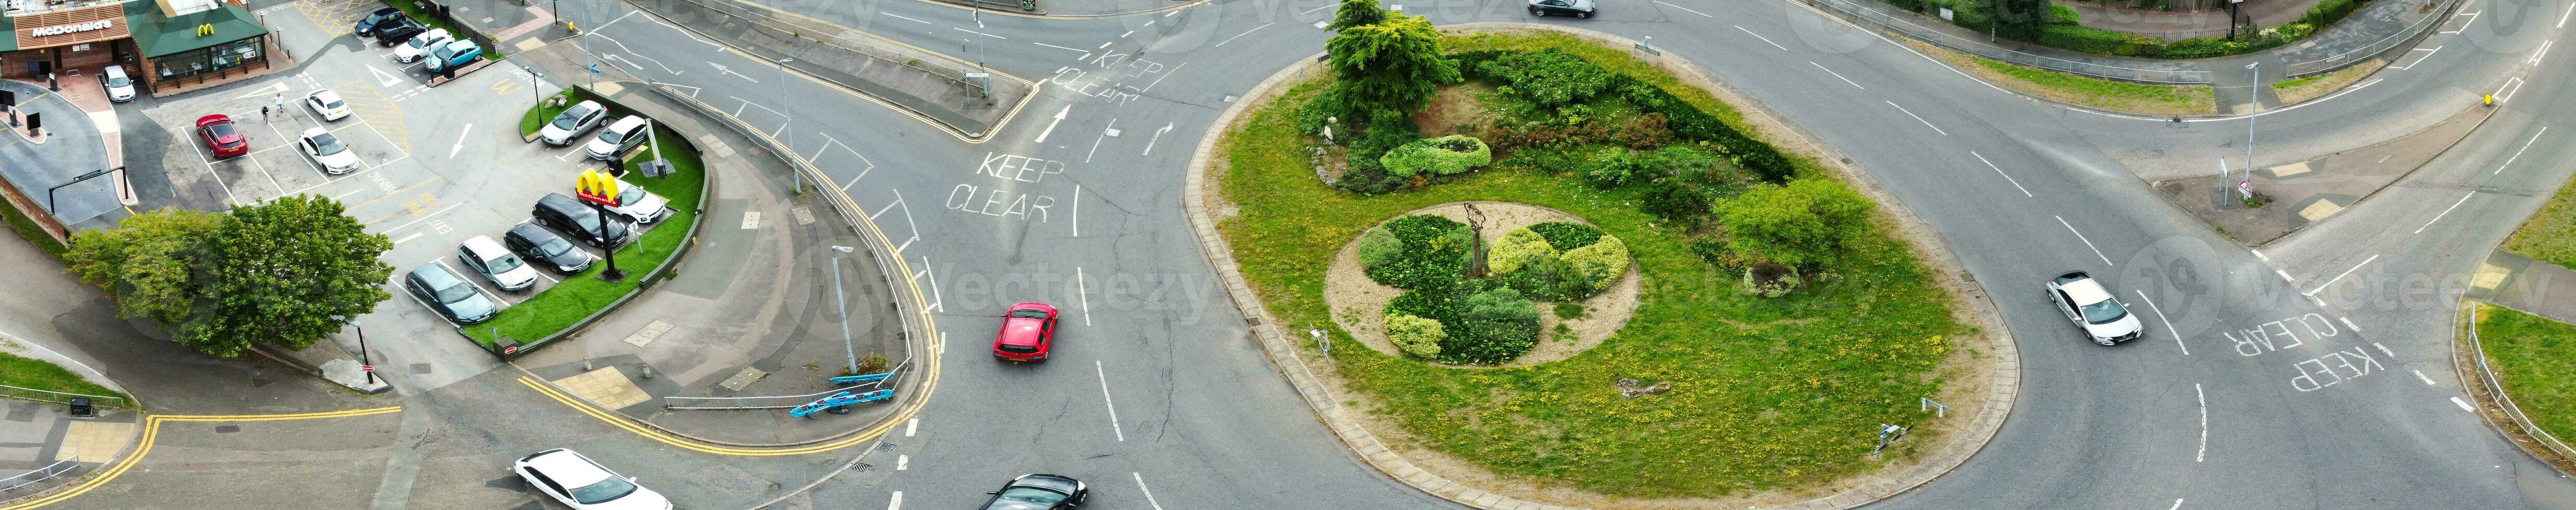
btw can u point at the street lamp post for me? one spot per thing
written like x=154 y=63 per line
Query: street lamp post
x=844 y=301
x=362 y=347
x=783 y=109
x=2254 y=100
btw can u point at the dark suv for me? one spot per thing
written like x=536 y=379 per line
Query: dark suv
x=367 y=26
x=394 y=32
x=572 y=217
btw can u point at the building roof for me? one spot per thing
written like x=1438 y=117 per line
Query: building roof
x=156 y=36
x=8 y=34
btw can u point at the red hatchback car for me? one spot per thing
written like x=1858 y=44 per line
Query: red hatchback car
x=220 y=136
x=1028 y=332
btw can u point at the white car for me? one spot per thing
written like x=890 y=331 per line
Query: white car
x=624 y=134
x=2104 y=320
x=327 y=104
x=580 y=118
x=326 y=150
x=585 y=485
x=636 y=204
x=120 y=88
x=419 y=45
x=486 y=256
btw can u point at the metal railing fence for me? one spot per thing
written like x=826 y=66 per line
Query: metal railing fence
x=1979 y=48
x=50 y=471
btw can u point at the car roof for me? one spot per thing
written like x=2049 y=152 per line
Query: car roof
x=532 y=232
x=213 y=119
x=1058 y=483
x=315 y=131
x=559 y=202
x=323 y=93
x=630 y=122
x=568 y=468
x=585 y=106
x=437 y=275
x=484 y=246
x=2085 y=291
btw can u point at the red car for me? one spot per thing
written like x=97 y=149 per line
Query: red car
x=220 y=136
x=1027 y=333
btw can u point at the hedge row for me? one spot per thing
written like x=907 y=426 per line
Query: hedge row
x=1685 y=121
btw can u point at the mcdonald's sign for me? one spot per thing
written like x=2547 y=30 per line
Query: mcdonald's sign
x=596 y=187
x=205 y=30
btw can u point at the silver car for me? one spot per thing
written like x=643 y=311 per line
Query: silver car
x=2094 y=309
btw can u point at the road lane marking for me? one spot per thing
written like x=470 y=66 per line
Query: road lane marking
x=460 y=141
x=152 y=433
x=2384 y=350
x=2204 y=427
x=1312 y=11
x=2536 y=54
x=2419 y=374
x=1998 y=170
x=2517 y=153
x=2177 y=504
x=1077 y=217
x=897 y=503
x=1084 y=291
x=2347 y=323
x=2502 y=95
x=914 y=424
x=902 y=462
x=1149 y=493
x=2464 y=405
x=1236 y=36
x=2160 y=317
x=1058 y=47
x=2428 y=55
x=2445 y=212
x=2346 y=272
x=2088 y=243
x=414 y=235
x=2285 y=275
x=901 y=16
x=977 y=33
x=1926 y=123
x=1702 y=14
x=1113 y=405
x=2562 y=18
x=1821 y=67
x=1767 y=40
x=2258 y=255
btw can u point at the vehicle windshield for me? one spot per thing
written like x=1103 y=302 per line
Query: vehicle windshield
x=455 y=293
x=118 y=81
x=630 y=195
x=325 y=144
x=506 y=263
x=555 y=247
x=605 y=490
x=2104 y=312
x=222 y=131
x=424 y=42
x=334 y=104
x=1023 y=349
x=569 y=118
x=612 y=136
x=1028 y=314
x=1032 y=495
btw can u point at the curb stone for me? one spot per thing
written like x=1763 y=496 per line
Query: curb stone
x=1998 y=398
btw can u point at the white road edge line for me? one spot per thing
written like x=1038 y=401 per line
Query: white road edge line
x=1919 y=118
x=1236 y=36
x=2517 y=153
x=2204 y=427
x=2160 y=317
x=1998 y=170
x=1703 y=14
x=1113 y=405
x=1140 y=485
x=1821 y=67
x=2346 y=272
x=1766 y=40
x=2088 y=243
x=2445 y=212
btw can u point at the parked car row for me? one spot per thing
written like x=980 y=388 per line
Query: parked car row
x=582 y=117
x=506 y=262
x=390 y=27
x=225 y=139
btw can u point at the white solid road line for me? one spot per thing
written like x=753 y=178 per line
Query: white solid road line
x=2204 y=427
x=897 y=503
x=1060 y=47
x=1918 y=118
x=2160 y=317
x=2543 y=51
x=2088 y=243
x=2562 y=18
x=1766 y=40
x=1149 y=493
x=1084 y=291
x=977 y=33
x=1836 y=75
x=1325 y=6
x=2428 y=55
x=414 y=235
x=2177 y=504
x=2346 y=272
x=1236 y=36
x=2464 y=405
x=2384 y=350
x=1990 y=164
x=2285 y=275
x=1113 y=405
x=901 y=16
x=1702 y=14
x=2445 y=212
x=2517 y=153
x=1077 y=222
x=2258 y=255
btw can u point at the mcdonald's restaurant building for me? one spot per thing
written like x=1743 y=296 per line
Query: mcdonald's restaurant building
x=163 y=44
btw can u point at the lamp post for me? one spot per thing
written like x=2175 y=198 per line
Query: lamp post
x=2254 y=100
x=783 y=109
x=362 y=347
x=610 y=274
x=844 y=301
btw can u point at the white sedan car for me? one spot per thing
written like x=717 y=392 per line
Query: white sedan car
x=643 y=207
x=585 y=485
x=419 y=45
x=326 y=150
x=327 y=104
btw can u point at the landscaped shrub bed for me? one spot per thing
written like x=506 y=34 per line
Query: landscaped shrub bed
x=1488 y=320
x=1765 y=392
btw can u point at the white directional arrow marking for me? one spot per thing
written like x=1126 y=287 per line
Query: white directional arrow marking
x=1050 y=129
x=460 y=141
x=384 y=78
x=1158 y=136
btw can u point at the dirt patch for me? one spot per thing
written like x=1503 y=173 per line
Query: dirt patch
x=2320 y=85
x=1456 y=111
x=1358 y=303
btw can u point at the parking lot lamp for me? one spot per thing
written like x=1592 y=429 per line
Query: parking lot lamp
x=611 y=274
x=783 y=109
x=362 y=347
x=844 y=301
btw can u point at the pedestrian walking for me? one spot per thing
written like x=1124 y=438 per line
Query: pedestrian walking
x=263 y=112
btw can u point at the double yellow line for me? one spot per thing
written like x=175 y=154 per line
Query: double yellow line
x=152 y=431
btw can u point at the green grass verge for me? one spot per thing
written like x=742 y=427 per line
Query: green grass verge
x=2549 y=235
x=416 y=14
x=1791 y=399
x=2119 y=95
x=27 y=228
x=2536 y=359
x=579 y=295
x=39 y=374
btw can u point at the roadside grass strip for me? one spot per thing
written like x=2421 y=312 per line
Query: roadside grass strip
x=2535 y=358
x=39 y=374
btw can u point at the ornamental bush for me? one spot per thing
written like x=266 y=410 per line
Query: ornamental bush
x=1804 y=222
x=1567 y=235
x=1435 y=252
x=1495 y=326
x=1519 y=247
x=1599 y=264
x=1550 y=78
x=1447 y=155
x=1379 y=248
x=1415 y=335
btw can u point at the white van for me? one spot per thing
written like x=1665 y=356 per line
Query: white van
x=120 y=88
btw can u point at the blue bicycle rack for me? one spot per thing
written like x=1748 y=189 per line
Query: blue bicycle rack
x=839 y=399
x=855 y=379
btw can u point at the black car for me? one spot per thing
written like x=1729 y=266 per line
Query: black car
x=367 y=25
x=450 y=294
x=535 y=243
x=1575 y=8
x=1038 y=492
x=398 y=31
x=573 y=217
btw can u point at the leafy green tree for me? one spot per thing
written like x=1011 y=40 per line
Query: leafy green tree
x=2020 y=19
x=1356 y=13
x=1395 y=65
x=284 y=272
x=147 y=261
x=1803 y=222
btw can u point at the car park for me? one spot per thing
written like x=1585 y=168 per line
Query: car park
x=2094 y=309
x=120 y=88
x=453 y=54
x=221 y=136
x=565 y=214
x=580 y=118
x=624 y=134
x=1575 y=8
x=640 y=206
x=503 y=268
x=326 y=150
x=326 y=104
x=366 y=26
x=1038 y=491
x=583 y=484
x=534 y=242
x=419 y=45
x=443 y=290
x=398 y=32
x=1028 y=333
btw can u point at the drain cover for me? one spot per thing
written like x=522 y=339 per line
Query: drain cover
x=420 y=368
x=227 y=429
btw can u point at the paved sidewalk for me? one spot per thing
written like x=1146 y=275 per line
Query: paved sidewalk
x=2517 y=282
x=2309 y=191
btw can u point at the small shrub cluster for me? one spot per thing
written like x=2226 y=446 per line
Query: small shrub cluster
x=1415 y=335
x=1496 y=326
x=1447 y=155
x=1678 y=117
x=1568 y=262
x=1805 y=222
x=1770 y=280
x=1428 y=250
x=1549 y=78
x=1445 y=315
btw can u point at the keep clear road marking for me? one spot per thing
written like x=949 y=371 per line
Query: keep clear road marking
x=1149 y=492
x=1765 y=40
x=460 y=141
x=1113 y=405
x=2160 y=317
x=1703 y=14
x=2088 y=243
